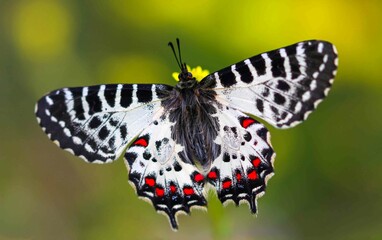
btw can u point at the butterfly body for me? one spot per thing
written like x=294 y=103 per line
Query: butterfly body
x=181 y=138
x=192 y=110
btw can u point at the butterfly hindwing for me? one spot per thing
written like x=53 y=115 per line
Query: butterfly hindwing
x=159 y=174
x=97 y=122
x=241 y=172
x=281 y=86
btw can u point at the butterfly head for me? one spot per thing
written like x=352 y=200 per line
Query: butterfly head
x=186 y=79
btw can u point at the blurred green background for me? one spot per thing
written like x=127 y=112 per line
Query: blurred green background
x=328 y=182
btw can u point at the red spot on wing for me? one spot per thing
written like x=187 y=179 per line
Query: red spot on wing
x=188 y=191
x=172 y=188
x=245 y=123
x=256 y=162
x=227 y=184
x=252 y=175
x=238 y=176
x=198 y=177
x=212 y=175
x=150 y=181
x=140 y=142
x=159 y=191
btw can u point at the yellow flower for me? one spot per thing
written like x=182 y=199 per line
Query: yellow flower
x=197 y=73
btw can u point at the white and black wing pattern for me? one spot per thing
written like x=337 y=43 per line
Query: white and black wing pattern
x=195 y=133
x=158 y=173
x=96 y=123
x=241 y=171
x=281 y=86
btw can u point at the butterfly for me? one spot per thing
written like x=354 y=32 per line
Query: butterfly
x=181 y=138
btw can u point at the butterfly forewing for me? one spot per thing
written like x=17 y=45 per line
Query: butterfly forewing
x=97 y=122
x=281 y=86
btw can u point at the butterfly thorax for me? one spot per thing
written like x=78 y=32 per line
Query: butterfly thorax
x=193 y=112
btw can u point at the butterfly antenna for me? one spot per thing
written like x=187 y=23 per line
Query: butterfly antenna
x=173 y=50
x=180 y=56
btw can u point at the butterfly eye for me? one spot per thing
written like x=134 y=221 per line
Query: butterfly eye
x=189 y=75
x=182 y=76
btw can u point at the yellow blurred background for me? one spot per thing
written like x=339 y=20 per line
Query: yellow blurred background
x=328 y=182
